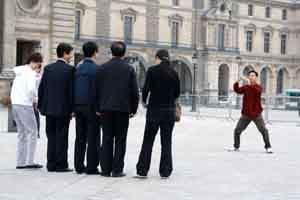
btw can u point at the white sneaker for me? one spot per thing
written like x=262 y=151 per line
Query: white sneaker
x=141 y=176
x=234 y=150
x=269 y=150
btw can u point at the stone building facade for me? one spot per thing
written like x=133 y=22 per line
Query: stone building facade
x=228 y=37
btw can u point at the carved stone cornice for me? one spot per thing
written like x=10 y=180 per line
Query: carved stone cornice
x=129 y=12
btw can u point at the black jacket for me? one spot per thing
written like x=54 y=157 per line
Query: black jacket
x=116 y=87
x=162 y=82
x=56 y=90
x=85 y=75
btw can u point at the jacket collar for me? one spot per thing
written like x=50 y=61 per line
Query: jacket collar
x=62 y=60
x=90 y=60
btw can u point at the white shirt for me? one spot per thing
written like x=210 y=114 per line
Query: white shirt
x=24 y=91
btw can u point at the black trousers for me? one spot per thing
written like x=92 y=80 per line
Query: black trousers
x=243 y=124
x=87 y=139
x=57 y=131
x=163 y=120
x=115 y=128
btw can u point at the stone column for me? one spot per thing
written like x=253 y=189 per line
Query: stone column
x=103 y=19
x=7 y=45
x=152 y=21
x=1 y=31
x=9 y=38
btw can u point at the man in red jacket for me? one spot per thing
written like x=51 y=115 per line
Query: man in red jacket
x=251 y=110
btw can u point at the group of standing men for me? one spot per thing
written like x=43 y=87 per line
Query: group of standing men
x=99 y=98
x=107 y=94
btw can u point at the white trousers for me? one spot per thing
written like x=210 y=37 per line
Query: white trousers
x=27 y=134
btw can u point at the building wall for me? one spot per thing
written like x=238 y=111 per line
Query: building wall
x=102 y=20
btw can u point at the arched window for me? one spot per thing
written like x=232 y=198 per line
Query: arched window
x=223 y=82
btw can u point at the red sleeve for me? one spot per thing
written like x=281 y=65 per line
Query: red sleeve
x=238 y=89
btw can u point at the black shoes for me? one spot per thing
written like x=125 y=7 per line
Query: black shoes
x=104 y=174
x=81 y=170
x=93 y=172
x=118 y=175
x=64 y=170
x=141 y=176
x=33 y=166
x=21 y=167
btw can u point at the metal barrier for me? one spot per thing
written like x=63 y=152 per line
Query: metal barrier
x=282 y=109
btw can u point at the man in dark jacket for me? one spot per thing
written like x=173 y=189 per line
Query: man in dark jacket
x=163 y=86
x=56 y=102
x=87 y=126
x=117 y=100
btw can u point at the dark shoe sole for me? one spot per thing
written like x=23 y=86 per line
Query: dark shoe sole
x=64 y=170
x=140 y=177
x=21 y=167
x=104 y=175
x=35 y=166
x=120 y=175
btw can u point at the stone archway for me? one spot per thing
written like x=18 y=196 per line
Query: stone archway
x=185 y=76
x=223 y=82
x=282 y=82
x=140 y=69
x=247 y=69
x=265 y=80
x=297 y=81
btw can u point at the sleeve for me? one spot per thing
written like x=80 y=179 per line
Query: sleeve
x=146 y=88
x=31 y=86
x=177 y=86
x=92 y=87
x=135 y=97
x=98 y=89
x=41 y=89
x=72 y=89
x=238 y=89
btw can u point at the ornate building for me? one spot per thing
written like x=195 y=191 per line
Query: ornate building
x=228 y=37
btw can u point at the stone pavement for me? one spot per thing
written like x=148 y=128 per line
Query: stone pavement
x=203 y=168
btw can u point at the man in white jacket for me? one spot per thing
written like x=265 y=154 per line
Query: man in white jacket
x=23 y=96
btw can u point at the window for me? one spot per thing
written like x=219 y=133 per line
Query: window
x=175 y=33
x=250 y=10
x=283 y=44
x=77 y=24
x=268 y=12
x=284 y=14
x=128 y=29
x=221 y=37
x=175 y=2
x=249 y=41
x=267 y=37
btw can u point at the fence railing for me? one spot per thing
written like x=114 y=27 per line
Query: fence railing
x=276 y=108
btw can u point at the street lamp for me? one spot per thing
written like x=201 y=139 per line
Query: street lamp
x=239 y=60
x=194 y=99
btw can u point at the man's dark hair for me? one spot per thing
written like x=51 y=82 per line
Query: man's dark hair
x=89 y=49
x=118 y=49
x=35 y=57
x=63 y=48
x=163 y=55
x=253 y=71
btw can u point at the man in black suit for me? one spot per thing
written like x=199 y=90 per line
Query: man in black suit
x=117 y=100
x=56 y=103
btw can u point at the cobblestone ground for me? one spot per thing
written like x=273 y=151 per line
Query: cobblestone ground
x=203 y=168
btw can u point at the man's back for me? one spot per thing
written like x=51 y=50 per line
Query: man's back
x=164 y=86
x=84 y=83
x=117 y=88
x=56 y=89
